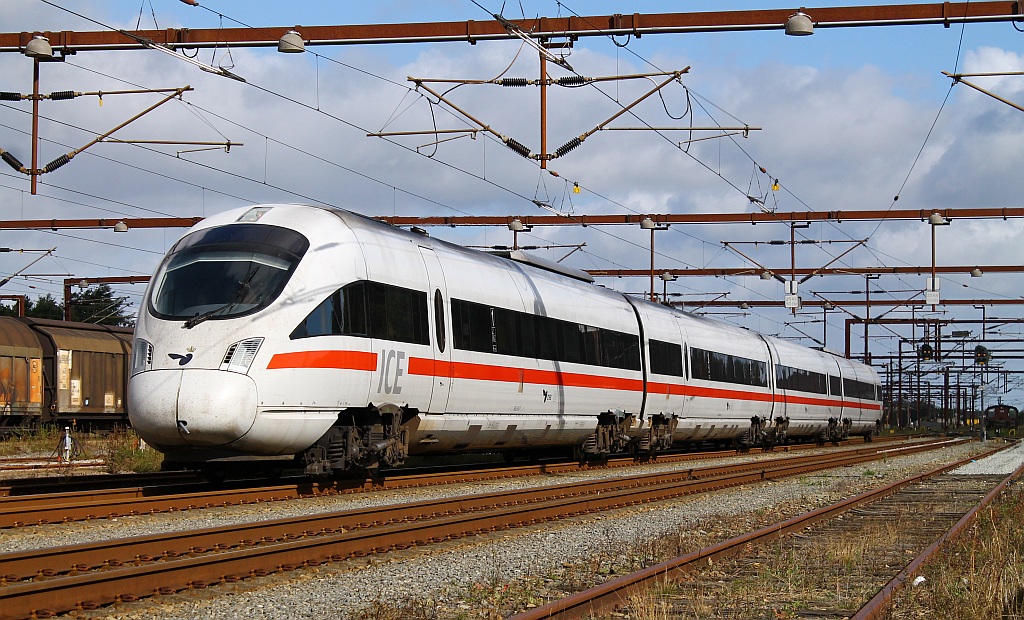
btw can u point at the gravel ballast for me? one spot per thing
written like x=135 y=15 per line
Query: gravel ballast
x=441 y=576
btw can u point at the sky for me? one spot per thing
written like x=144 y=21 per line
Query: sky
x=849 y=119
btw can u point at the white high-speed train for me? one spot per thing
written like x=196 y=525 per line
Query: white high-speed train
x=316 y=334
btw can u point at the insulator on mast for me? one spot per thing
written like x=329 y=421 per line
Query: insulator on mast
x=514 y=81
x=517 y=147
x=12 y=161
x=568 y=146
x=57 y=163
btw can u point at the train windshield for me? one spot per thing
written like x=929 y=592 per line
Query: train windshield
x=225 y=272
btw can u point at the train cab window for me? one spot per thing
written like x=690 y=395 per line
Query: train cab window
x=666 y=358
x=225 y=272
x=439 y=319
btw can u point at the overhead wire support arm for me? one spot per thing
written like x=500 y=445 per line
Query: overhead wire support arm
x=958 y=77
x=575 y=142
x=729 y=246
x=67 y=157
x=507 y=141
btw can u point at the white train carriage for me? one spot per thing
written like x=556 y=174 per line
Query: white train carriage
x=315 y=333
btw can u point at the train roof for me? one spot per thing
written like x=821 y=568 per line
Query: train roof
x=18 y=339
x=75 y=336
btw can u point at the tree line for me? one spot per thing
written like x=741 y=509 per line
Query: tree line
x=97 y=304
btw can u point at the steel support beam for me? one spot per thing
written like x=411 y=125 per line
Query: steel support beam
x=542 y=28
x=131 y=222
x=758 y=217
x=721 y=272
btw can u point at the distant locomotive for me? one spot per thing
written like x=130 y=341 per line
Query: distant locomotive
x=339 y=342
x=63 y=372
x=999 y=419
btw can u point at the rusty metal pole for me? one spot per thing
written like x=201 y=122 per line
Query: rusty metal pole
x=867 y=317
x=33 y=174
x=653 y=294
x=67 y=300
x=543 y=112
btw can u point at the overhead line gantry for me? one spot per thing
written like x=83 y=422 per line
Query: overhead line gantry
x=541 y=28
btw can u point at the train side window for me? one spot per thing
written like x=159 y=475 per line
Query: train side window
x=547 y=338
x=789 y=378
x=505 y=339
x=666 y=358
x=471 y=325
x=620 y=350
x=835 y=385
x=569 y=342
x=527 y=332
x=439 y=319
x=590 y=345
x=725 y=368
x=324 y=320
x=397 y=313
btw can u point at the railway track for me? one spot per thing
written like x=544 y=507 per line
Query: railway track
x=47 y=581
x=97 y=497
x=841 y=561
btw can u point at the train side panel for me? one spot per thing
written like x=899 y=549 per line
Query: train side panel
x=21 y=375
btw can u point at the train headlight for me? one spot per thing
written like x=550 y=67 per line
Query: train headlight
x=142 y=356
x=239 y=356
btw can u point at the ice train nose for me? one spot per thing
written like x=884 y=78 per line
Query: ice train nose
x=177 y=408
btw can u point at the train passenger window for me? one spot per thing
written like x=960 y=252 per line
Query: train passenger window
x=725 y=368
x=482 y=328
x=859 y=389
x=397 y=314
x=527 y=330
x=666 y=358
x=324 y=320
x=835 y=385
x=789 y=378
x=439 y=319
x=506 y=341
x=547 y=337
x=620 y=350
x=471 y=326
x=590 y=345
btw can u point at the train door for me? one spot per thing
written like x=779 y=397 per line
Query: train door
x=779 y=406
x=441 y=336
x=685 y=403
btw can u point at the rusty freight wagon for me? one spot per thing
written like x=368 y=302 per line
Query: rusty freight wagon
x=21 y=375
x=85 y=368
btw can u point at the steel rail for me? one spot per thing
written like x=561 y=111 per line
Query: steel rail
x=118 y=581
x=607 y=596
x=23 y=565
x=879 y=605
x=97 y=502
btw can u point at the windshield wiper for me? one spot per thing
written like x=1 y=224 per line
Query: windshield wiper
x=243 y=288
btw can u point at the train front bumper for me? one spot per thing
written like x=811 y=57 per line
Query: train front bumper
x=191 y=408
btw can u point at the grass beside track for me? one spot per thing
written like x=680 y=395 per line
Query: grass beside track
x=980 y=575
x=120 y=449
